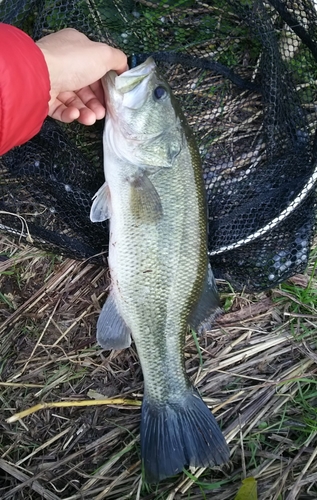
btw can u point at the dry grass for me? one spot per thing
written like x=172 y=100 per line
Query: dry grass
x=256 y=371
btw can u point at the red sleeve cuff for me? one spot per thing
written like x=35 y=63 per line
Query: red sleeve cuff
x=24 y=88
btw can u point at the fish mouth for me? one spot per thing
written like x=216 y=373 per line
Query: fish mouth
x=128 y=80
x=130 y=89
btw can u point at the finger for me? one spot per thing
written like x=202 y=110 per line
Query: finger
x=63 y=113
x=115 y=59
x=69 y=114
x=81 y=99
x=69 y=107
x=90 y=111
x=91 y=101
x=86 y=117
x=97 y=89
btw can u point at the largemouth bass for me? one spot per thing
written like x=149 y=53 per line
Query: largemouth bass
x=154 y=197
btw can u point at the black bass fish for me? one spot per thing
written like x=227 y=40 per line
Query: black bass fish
x=161 y=282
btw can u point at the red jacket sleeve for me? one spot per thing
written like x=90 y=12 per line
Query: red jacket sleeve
x=24 y=88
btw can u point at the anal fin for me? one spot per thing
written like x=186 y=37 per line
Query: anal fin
x=112 y=332
x=208 y=306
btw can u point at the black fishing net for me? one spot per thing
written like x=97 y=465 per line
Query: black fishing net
x=245 y=74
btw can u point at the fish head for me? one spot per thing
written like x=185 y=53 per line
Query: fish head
x=144 y=114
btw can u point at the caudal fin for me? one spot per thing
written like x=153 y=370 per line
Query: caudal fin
x=180 y=434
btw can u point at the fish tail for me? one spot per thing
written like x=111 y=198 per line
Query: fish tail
x=179 y=434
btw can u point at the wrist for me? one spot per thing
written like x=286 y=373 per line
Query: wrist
x=51 y=65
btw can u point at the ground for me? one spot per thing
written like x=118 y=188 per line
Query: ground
x=255 y=370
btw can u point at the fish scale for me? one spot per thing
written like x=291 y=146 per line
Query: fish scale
x=162 y=313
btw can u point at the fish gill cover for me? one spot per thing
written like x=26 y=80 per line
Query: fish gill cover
x=245 y=74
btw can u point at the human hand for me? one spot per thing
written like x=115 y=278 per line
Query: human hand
x=75 y=65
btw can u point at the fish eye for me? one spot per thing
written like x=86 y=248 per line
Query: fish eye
x=160 y=92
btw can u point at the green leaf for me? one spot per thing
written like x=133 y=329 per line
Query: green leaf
x=248 y=490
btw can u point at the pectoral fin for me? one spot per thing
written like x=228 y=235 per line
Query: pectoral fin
x=145 y=202
x=112 y=332
x=100 y=209
x=207 y=307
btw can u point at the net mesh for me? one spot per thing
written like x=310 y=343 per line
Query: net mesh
x=245 y=75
